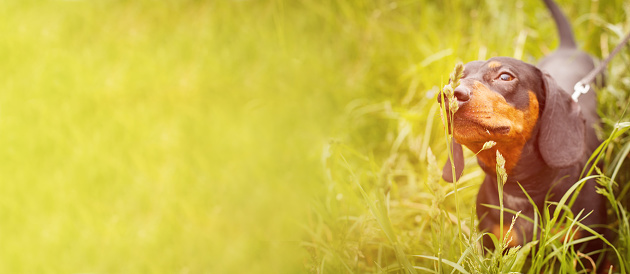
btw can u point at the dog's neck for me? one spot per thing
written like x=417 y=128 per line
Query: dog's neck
x=532 y=172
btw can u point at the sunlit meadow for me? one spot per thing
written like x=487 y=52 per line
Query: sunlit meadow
x=254 y=136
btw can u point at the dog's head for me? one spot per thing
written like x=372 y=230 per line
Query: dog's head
x=511 y=103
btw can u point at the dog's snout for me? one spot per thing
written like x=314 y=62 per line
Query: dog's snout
x=462 y=94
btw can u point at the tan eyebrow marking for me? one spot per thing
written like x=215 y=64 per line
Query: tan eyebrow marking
x=494 y=64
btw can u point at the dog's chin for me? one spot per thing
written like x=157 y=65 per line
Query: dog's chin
x=469 y=131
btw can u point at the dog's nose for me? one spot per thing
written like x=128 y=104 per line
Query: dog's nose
x=462 y=94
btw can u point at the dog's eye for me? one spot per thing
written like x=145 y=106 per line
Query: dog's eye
x=506 y=77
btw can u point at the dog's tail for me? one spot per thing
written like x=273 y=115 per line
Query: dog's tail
x=564 y=27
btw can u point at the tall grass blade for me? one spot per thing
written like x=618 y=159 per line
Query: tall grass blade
x=521 y=256
x=619 y=160
x=567 y=195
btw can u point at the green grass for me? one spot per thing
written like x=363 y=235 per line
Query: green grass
x=390 y=158
x=158 y=137
x=235 y=136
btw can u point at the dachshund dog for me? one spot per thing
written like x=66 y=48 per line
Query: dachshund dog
x=545 y=137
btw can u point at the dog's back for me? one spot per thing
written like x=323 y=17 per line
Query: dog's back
x=568 y=65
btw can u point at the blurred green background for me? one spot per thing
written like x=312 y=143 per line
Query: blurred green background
x=187 y=136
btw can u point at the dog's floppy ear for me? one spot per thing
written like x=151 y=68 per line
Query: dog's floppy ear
x=561 y=134
x=458 y=157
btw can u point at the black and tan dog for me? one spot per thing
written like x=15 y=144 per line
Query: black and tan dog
x=545 y=137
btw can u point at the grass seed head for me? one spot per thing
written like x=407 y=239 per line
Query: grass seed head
x=453 y=106
x=449 y=93
x=448 y=90
x=457 y=74
x=501 y=173
x=509 y=234
x=488 y=145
